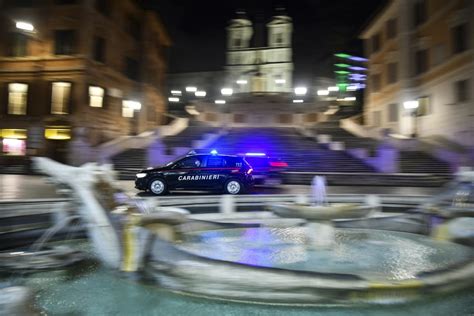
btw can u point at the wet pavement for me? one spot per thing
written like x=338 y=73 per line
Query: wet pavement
x=19 y=187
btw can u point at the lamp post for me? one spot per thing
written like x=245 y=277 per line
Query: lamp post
x=412 y=106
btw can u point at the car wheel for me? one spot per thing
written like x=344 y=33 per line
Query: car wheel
x=157 y=187
x=233 y=187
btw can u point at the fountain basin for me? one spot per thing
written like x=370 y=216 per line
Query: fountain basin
x=275 y=265
x=321 y=212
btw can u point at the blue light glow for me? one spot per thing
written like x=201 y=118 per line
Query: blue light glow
x=214 y=152
x=255 y=154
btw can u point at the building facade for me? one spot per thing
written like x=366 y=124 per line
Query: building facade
x=422 y=50
x=77 y=69
x=255 y=64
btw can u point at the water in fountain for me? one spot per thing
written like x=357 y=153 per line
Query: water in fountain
x=318 y=191
x=320 y=234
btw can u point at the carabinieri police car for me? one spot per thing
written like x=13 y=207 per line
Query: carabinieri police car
x=230 y=174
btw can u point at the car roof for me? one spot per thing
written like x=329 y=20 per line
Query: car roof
x=220 y=155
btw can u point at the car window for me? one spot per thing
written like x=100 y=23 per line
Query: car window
x=189 y=162
x=216 y=162
x=234 y=162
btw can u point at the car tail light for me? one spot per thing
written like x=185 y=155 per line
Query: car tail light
x=278 y=164
x=249 y=171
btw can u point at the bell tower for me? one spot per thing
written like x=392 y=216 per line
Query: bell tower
x=239 y=32
x=280 y=71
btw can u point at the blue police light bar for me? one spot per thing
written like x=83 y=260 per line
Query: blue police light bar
x=214 y=152
x=255 y=154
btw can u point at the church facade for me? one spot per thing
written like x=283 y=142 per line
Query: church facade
x=259 y=57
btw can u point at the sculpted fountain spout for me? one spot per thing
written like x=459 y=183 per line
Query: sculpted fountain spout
x=114 y=226
x=319 y=213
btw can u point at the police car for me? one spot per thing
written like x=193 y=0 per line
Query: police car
x=267 y=171
x=227 y=173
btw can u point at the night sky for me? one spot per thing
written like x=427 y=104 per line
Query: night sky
x=320 y=28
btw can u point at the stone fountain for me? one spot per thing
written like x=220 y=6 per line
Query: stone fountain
x=265 y=264
x=319 y=213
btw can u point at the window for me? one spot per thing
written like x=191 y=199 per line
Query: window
x=392 y=73
x=60 y=97
x=18 y=45
x=132 y=68
x=102 y=6
x=375 y=43
x=393 y=112
x=129 y=107
x=461 y=90
x=424 y=106
x=188 y=163
x=278 y=38
x=215 y=162
x=99 y=49
x=459 y=38
x=127 y=111
x=438 y=55
x=377 y=118
x=375 y=81
x=134 y=27
x=20 y=3
x=151 y=113
x=64 y=42
x=391 y=28
x=237 y=42
x=17 y=98
x=421 y=61
x=96 y=96
x=65 y=1
x=420 y=12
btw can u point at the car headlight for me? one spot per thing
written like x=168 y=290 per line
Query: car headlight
x=141 y=175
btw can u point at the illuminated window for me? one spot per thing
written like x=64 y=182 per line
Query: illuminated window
x=17 y=98
x=129 y=107
x=96 y=96
x=57 y=133
x=60 y=97
x=14 y=142
x=424 y=106
x=13 y=147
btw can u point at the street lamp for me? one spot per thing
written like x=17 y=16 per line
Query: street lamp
x=173 y=99
x=323 y=92
x=227 y=91
x=24 y=26
x=300 y=90
x=200 y=93
x=412 y=106
x=191 y=89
